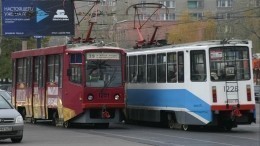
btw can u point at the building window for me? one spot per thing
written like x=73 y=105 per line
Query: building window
x=225 y=29
x=254 y=3
x=224 y=16
x=107 y=3
x=169 y=16
x=168 y=4
x=224 y=3
x=194 y=4
x=196 y=16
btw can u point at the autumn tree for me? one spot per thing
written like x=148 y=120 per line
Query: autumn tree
x=188 y=29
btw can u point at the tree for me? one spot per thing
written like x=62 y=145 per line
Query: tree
x=189 y=30
x=248 y=26
x=9 y=45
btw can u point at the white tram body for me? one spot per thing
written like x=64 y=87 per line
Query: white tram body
x=202 y=83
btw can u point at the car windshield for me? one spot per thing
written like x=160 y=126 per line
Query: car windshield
x=6 y=95
x=4 y=103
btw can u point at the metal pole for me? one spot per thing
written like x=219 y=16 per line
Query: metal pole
x=24 y=45
x=39 y=40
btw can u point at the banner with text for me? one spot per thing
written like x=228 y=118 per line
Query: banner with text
x=25 y=18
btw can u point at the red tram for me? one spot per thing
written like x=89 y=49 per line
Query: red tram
x=70 y=84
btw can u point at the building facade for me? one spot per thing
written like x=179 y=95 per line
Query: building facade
x=116 y=20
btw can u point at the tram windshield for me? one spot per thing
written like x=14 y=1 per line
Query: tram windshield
x=229 y=63
x=103 y=69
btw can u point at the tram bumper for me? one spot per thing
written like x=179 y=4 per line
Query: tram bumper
x=97 y=116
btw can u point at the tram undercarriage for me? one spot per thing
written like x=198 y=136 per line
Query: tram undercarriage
x=225 y=120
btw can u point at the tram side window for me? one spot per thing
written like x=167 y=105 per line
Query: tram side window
x=50 y=64
x=127 y=70
x=171 y=67
x=133 y=69
x=36 y=69
x=141 y=76
x=21 y=70
x=54 y=68
x=151 y=68
x=198 y=65
x=180 y=67
x=41 y=71
x=29 y=72
x=75 y=68
x=13 y=72
x=161 y=68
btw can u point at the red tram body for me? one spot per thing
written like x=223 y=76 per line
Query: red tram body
x=78 y=84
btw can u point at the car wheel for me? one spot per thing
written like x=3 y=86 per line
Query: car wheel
x=17 y=139
x=185 y=127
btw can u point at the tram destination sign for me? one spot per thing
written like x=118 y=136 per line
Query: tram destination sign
x=103 y=56
x=25 y=18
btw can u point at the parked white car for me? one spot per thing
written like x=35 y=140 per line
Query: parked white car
x=11 y=122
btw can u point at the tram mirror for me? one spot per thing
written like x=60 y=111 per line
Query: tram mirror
x=69 y=72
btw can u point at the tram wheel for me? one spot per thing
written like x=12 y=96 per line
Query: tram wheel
x=171 y=123
x=55 y=119
x=227 y=128
x=185 y=127
x=66 y=124
x=33 y=120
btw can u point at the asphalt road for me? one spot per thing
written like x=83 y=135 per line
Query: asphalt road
x=43 y=134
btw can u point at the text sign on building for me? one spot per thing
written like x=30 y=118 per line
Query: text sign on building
x=24 y=18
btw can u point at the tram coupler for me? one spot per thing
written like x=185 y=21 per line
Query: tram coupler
x=105 y=113
x=235 y=112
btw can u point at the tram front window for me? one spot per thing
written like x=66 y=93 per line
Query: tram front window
x=103 y=72
x=229 y=63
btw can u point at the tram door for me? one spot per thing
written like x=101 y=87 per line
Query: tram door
x=39 y=88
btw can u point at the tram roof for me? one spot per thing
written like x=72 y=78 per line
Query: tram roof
x=83 y=47
x=210 y=43
x=59 y=49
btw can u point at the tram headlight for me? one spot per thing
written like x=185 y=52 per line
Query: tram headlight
x=90 y=97
x=117 y=97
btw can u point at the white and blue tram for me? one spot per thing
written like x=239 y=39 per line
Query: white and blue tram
x=205 y=83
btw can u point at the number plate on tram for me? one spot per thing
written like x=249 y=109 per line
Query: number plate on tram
x=103 y=95
x=232 y=101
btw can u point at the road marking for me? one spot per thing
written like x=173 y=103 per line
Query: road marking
x=144 y=139
x=206 y=141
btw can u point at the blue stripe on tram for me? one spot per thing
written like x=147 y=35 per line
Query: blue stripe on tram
x=170 y=98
